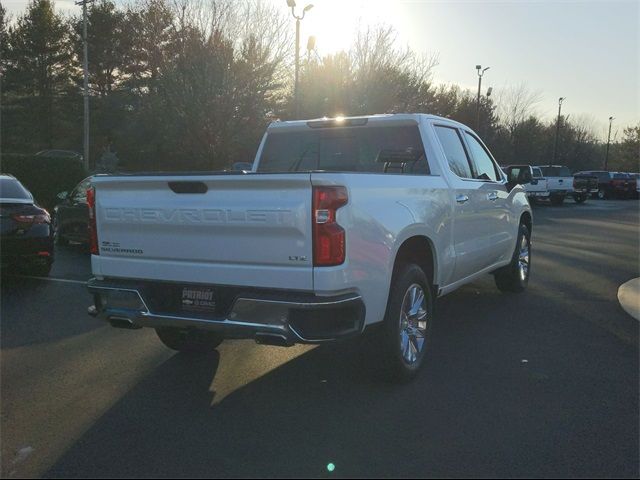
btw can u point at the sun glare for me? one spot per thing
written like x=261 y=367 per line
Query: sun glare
x=334 y=23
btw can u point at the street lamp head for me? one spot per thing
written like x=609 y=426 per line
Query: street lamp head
x=489 y=91
x=291 y=3
x=311 y=43
x=610 y=118
x=308 y=7
x=478 y=67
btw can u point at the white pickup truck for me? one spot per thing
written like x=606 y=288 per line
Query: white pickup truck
x=559 y=182
x=340 y=225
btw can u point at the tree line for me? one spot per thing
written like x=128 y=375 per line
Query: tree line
x=192 y=84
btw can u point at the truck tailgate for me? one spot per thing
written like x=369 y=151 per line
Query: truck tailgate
x=247 y=230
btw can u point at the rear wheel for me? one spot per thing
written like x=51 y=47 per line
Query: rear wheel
x=515 y=276
x=189 y=340
x=581 y=198
x=602 y=194
x=406 y=331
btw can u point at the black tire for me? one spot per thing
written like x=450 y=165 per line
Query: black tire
x=557 y=200
x=396 y=367
x=580 y=198
x=602 y=194
x=189 y=340
x=511 y=277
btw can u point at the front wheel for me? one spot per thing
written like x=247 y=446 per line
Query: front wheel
x=515 y=276
x=407 y=325
x=189 y=340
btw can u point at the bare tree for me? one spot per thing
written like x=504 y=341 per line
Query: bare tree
x=515 y=104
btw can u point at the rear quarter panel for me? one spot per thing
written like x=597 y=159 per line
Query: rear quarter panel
x=383 y=211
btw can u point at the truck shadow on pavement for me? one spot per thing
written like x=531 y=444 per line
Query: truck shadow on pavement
x=509 y=390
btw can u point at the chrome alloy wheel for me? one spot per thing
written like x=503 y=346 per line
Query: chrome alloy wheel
x=523 y=259
x=413 y=323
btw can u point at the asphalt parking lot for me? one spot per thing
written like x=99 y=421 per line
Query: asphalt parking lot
x=542 y=384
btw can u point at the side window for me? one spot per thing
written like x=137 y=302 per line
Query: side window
x=454 y=151
x=485 y=168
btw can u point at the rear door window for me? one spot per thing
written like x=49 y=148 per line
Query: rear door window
x=454 y=151
x=485 y=169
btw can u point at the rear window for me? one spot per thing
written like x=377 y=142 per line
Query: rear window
x=12 y=188
x=537 y=173
x=349 y=149
x=556 y=171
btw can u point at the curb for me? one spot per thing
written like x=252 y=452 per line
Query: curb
x=629 y=297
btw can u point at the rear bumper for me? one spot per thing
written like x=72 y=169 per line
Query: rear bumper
x=538 y=194
x=15 y=249
x=268 y=316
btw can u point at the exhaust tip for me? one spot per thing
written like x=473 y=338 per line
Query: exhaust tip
x=273 y=339
x=123 y=322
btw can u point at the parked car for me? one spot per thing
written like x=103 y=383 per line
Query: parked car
x=613 y=184
x=559 y=182
x=60 y=154
x=584 y=186
x=26 y=235
x=623 y=185
x=71 y=215
x=342 y=225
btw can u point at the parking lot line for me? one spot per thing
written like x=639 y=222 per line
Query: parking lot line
x=49 y=279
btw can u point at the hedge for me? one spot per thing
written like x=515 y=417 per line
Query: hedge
x=44 y=177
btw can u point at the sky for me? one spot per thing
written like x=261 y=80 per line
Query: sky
x=586 y=51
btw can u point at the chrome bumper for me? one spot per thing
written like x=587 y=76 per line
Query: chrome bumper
x=276 y=319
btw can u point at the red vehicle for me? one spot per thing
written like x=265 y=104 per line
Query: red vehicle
x=613 y=184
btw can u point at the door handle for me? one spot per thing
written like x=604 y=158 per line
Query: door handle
x=493 y=196
x=462 y=198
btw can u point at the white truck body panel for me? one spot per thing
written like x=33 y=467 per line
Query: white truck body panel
x=255 y=230
x=242 y=231
x=557 y=184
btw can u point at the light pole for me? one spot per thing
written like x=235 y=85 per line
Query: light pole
x=480 y=72
x=606 y=158
x=555 y=148
x=292 y=5
x=85 y=89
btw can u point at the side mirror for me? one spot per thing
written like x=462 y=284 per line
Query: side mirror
x=525 y=176
x=62 y=195
x=242 y=167
x=518 y=175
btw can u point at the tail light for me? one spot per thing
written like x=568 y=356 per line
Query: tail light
x=33 y=218
x=93 y=230
x=328 y=236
